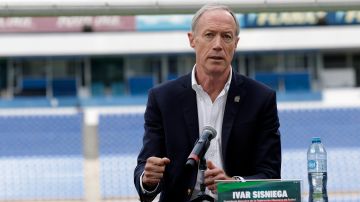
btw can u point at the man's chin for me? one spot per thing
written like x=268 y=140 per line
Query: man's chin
x=216 y=69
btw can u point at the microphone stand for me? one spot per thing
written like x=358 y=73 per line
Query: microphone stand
x=202 y=196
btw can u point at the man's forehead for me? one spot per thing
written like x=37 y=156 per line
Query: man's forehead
x=217 y=25
x=216 y=20
x=220 y=17
x=215 y=14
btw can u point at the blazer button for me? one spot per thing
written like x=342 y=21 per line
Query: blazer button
x=189 y=192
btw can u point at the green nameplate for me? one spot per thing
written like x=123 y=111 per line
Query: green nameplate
x=259 y=190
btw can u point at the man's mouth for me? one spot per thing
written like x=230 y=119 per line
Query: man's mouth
x=216 y=57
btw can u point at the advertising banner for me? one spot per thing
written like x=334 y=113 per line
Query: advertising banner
x=67 y=24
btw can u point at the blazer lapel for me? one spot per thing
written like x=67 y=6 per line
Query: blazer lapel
x=233 y=101
x=189 y=105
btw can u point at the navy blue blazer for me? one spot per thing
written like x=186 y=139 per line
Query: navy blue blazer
x=250 y=137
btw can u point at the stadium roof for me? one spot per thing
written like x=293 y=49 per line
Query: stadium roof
x=274 y=39
x=137 y=7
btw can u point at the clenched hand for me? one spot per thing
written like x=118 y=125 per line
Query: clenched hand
x=154 y=171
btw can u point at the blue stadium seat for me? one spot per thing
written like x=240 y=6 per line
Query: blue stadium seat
x=139 y=85
x=97 y=89
x=34 y=84
x=64 y=87
x=118 y=88
x=297 y=81
x=268 y=78
x=33 y=87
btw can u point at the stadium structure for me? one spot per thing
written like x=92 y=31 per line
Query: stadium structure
x=87 y=56
x=74 y=77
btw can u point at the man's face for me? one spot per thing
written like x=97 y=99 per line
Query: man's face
x=214 y=41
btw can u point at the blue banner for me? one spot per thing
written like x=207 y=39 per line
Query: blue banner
x=253 y=20
x=286 y=19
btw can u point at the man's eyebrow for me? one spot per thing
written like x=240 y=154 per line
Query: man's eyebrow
x=212 y=30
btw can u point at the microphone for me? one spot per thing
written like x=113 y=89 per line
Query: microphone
x=201 y=146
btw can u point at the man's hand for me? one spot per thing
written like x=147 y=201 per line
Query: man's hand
x=154 y=171
x=214 y=173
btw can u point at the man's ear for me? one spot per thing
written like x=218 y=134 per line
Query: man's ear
x=191 y=39
x=237 y=41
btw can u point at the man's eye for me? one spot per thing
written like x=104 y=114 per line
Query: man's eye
x=227 y=37
x=209 y=35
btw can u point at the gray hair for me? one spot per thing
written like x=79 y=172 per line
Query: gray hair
x=211 y=7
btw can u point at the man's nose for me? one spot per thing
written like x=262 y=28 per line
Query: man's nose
x=217 y=43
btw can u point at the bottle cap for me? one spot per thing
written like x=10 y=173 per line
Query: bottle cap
x=316 y=140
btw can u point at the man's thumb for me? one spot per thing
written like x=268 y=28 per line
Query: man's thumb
x=165 y=160
x=210 y=165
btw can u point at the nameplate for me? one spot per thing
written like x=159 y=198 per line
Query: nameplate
x=259 y=190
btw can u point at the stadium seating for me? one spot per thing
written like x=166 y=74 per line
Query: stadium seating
x=299 y=96
x=33 y=87
x=26 y=101
x=97 y=89
x=64 y=87
x=120 y=141
x=338 y=129
x=120 y=138
x=41 y=157
x=270 y=79
x=297 y=81
x=139 y=85
x=33 y=83
x=285 y=81
x=118 y=89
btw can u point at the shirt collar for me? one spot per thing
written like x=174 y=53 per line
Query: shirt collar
x=195 y=86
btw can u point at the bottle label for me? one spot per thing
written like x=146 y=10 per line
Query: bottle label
x=311 y=164
x=317 y=166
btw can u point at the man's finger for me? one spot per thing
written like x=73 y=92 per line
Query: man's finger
x=149 y=167
x=155 y=160
x=153 y=175
x=165 y=161
x=212 y=188
x=210 y=165
x=158 y=161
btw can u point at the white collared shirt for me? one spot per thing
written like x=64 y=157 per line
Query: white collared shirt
x=210 y=114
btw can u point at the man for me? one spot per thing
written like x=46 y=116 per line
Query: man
x=242 y=111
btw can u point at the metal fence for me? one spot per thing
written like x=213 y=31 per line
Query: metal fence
x=43 y=157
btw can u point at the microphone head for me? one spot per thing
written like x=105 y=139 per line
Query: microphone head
x=209 y=130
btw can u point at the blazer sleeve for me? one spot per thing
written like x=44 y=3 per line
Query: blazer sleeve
x=153 y=144
x=268 y=153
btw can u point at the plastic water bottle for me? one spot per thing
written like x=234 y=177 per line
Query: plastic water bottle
x=317 y=171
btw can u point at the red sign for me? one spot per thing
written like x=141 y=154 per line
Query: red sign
x=67 y=24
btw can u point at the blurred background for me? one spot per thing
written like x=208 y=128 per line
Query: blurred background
x=74 y=77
